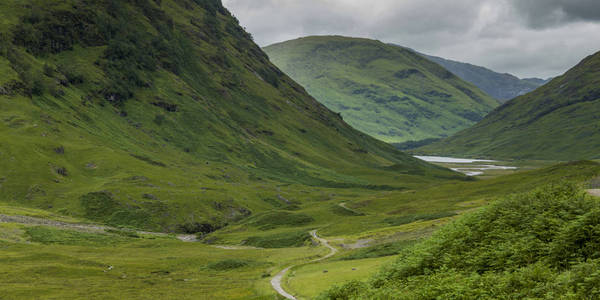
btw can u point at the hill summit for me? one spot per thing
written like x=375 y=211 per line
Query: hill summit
x=389 y=92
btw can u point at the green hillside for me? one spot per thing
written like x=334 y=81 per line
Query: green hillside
x=558 y=121
x=389 y=92
x=165 y=115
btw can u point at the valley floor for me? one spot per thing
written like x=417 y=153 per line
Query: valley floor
x=46 y=255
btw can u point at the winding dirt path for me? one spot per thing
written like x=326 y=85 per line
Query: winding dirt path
x=276 y=284
x=276 y=281
x=594 y=192
x=325 y=243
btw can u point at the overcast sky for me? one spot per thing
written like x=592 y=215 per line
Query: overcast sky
x=528 y=38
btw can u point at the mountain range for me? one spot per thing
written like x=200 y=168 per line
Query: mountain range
x=501 y=86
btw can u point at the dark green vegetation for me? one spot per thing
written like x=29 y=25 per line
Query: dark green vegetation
x=228 y=264
x=386 y=91
x=538 y=245
x=559 y=121
x=164 y=115
x=408 y=145
x=500 y=86
x=279 y=240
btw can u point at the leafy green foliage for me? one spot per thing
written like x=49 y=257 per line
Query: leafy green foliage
x=555 y=122
x=535 y=245
x=389 y=92
x=132 y=53
x=52 y=31
x=350 y=290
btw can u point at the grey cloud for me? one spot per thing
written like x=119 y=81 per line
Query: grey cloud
x=267 y=19
x=544 y=13
x=524 y=37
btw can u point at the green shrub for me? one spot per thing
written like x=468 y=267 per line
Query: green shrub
x=37 y=85
x=102 y=207
x=99 y=206
x=132 y=53
x=350 y=290
x=48 y=70
x=159 y=119
x=72 y=75
x=539 y=245
x=579 y=240
x=197 y=228
x=228 y=264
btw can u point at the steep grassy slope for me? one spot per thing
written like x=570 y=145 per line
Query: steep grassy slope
x=164 y=115
x=538 y=245
x=559 y=121
x=386 y=91
x=500 y=86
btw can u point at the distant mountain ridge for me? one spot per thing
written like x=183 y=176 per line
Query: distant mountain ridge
x=386 y=91
x=501 y=86
x=558 y=121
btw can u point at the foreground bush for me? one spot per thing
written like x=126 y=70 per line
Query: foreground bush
x=540 y=245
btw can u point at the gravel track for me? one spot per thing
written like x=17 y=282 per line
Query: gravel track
x=276 y=280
